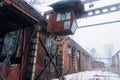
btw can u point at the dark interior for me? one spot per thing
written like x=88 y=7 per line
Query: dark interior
x=12 y=19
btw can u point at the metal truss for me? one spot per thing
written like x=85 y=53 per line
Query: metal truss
x=88 y=1
x=117 y=21
x=51 y=62
x=103 y=10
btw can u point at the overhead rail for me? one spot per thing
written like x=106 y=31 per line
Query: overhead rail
x=99 y=24
x=102 y=58
x=102 y=10
x=88 y=1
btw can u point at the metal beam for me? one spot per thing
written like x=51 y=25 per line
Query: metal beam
x=51 y=61
x=102 y=58
x=88 y=1
x=102 y=10
x=99 y=24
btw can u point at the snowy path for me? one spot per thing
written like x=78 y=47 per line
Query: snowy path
x=92 y=75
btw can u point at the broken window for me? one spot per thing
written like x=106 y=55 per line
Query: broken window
x=10 y=44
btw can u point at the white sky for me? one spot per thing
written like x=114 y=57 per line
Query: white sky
x=99 y=37
x=96 y=36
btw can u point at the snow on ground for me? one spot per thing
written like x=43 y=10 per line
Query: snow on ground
x=92 y=75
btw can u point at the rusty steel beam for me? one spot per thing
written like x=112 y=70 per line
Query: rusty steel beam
x=88 y=1
x=117 y=21
x=102 y=10
x=25 y=50
x=51 y=61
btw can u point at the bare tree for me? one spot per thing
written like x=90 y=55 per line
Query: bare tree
x=93 y=52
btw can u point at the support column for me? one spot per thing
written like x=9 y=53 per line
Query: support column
x=74 y=62
x=31 y=64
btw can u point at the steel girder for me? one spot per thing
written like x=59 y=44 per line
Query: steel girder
x=102 y=10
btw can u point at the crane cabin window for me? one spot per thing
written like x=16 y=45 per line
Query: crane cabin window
x=74 y=25
x=67 y=25
x=63 y=15
x=58 y=16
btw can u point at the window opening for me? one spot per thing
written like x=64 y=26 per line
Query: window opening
x=67 y=25
x=10 y=43
x=51 y=47
x=63 y=15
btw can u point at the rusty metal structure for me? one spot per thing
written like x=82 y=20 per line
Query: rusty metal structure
x=28 y=48
x=62 y=19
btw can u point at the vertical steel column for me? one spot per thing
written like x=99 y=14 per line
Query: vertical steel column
x=24 y=52
x=33 y=53
x=73 y=60
x=79 y=60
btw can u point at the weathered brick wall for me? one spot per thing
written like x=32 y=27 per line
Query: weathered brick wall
x=85 y=62
x=67 y=69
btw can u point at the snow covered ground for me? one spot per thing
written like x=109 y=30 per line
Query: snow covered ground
x=92 y=75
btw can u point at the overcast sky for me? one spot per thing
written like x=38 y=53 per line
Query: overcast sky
x=100 y=37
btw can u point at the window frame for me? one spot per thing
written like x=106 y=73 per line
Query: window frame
x=61 y=12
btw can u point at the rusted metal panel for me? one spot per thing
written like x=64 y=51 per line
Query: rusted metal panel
x=9 y=72
x=62 y=20
x=62 y=27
